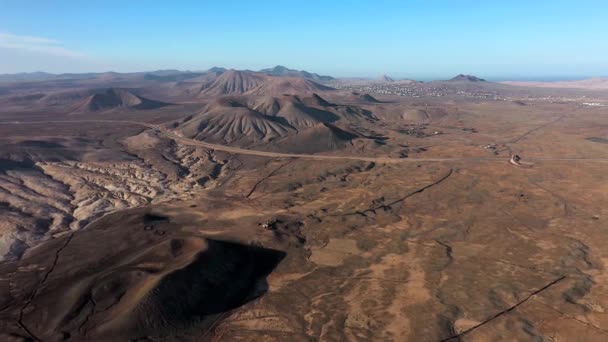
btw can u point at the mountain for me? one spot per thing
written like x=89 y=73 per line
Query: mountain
x=426 y=114
x=286 y=121
x=116 y=98
x=316 y=100
x=66 y=98
x=294 y=111
x=232 y=124
x=359 y=97
x=287 y=85
x=233 y=82
x=27 y=77
x=172 y=77
x=45 y=76
x=158 y=75
x=236 y=82
x=318 y=138
x=467 y=78
x=282 y=71
x=385 y=78
x=218 y=70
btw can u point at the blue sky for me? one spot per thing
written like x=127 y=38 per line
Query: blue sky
x=419 y=39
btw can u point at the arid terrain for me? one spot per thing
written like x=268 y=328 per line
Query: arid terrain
x=594 y=83
x=283 y=205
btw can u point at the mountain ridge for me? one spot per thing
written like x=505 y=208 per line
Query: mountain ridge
x=280 y=70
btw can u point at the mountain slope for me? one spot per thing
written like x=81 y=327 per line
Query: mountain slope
x=318 y=138
x=113 y=98
x=232 y=124
x=361 y=97
x=467 y=78
x=172 y=77
x=282 y=71
x=287 y=85
x=289 y=119
x=233 y=82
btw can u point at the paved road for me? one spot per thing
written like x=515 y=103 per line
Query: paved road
x=186 y=141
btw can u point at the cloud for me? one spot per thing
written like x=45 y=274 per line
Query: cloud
x=40 y=45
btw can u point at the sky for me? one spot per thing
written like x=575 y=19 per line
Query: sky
x=417 y=39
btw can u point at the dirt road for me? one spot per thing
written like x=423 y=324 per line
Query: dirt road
x=186 y=141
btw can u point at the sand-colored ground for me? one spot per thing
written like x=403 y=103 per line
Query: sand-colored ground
x=116 y=228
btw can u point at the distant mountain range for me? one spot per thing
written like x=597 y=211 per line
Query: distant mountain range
x=233 y=82
x=58 y=90
x=280 y=70
x=170 y=75
x=45 y=76
x=174 y=75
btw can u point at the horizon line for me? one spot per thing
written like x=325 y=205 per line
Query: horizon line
x=494 y=78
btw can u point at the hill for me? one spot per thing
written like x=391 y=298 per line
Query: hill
x=48 y=99
x=282 y=71
x=426 y=114
x=287 y=85
x=237 y=82
x=316 y=100
x=218 y=70
x=232 y=124
x=467 y=78
x=385 y=78
x=63 y=98
x=361 y=97
x=172 y=77
x=113 y=98
x=158 y=75
x=233 y=82
x=27 y=77
x=318 y=138
x=247 y=119
x=296 y=112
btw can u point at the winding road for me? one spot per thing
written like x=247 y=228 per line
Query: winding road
x=235 y=150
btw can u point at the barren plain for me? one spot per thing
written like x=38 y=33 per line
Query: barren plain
x=247 y=206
